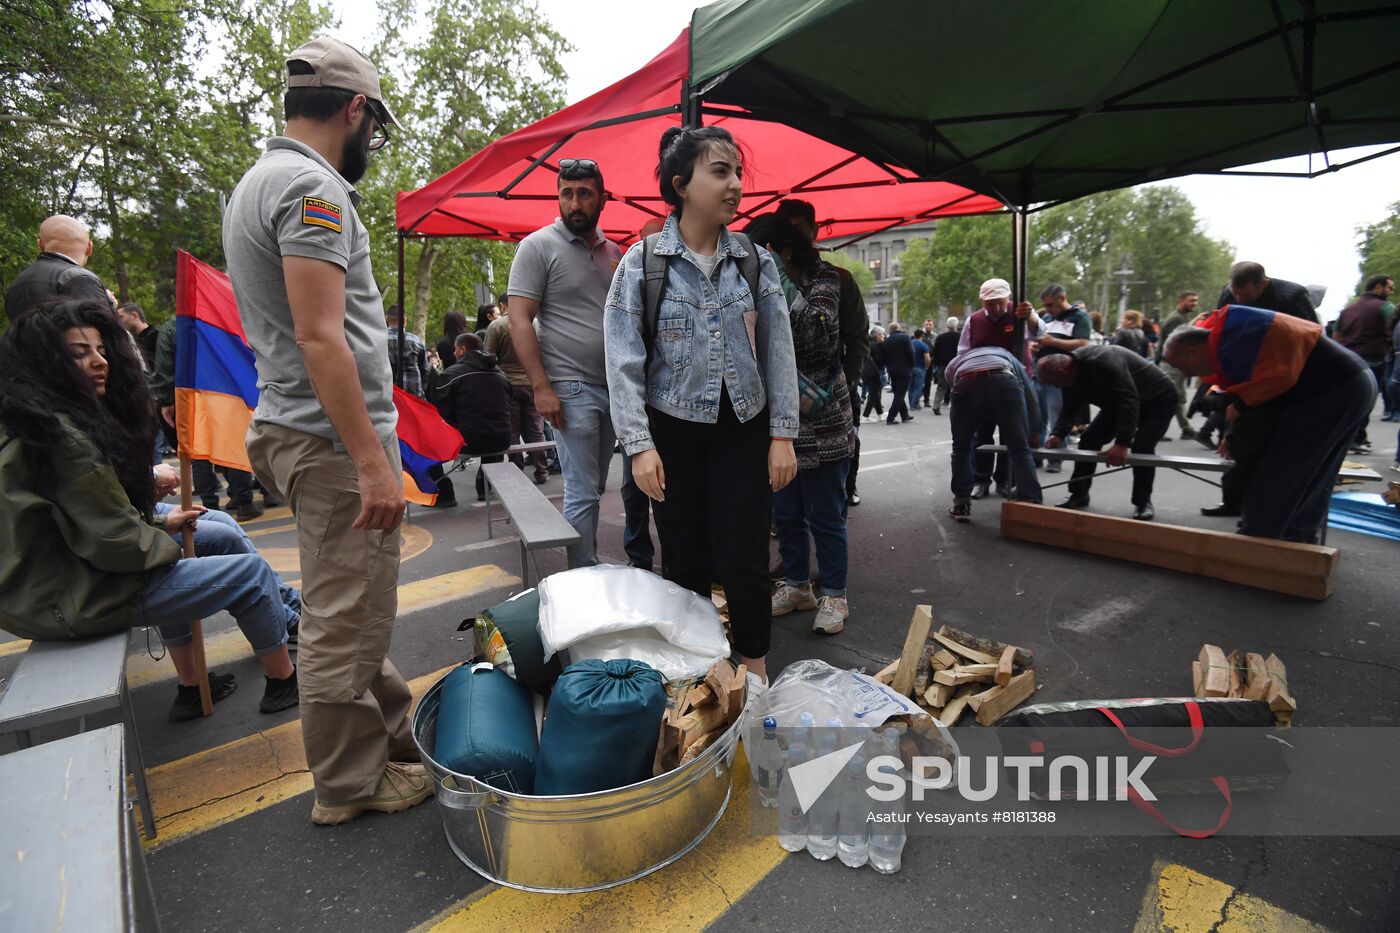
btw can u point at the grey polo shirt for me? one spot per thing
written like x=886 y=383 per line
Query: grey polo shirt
x=570 y=280
x=293 y=203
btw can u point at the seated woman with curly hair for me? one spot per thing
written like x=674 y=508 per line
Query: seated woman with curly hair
x=82 y=552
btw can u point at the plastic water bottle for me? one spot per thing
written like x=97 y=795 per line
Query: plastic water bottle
x=821 y=819
x=766 y=764
x=792 y=822
x=806 y=725
x=853 y=821
x=888 y=834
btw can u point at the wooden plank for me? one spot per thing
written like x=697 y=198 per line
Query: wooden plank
x=1005 y=699
x=955 y=707
x=1305 y=570
x=942 y=659
x=967 y=674
x=1235 y=659
x=1257 y=678
x=734 y=696
x=938 y=695
x=1024 y=656
x=1215 y=674
x=1008 y=658
x=957 y=647
x=907 y=668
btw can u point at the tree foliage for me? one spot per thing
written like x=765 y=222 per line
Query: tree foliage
x=1152 y=232
x=1379 y=244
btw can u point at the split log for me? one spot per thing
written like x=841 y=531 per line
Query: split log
x=907 y=667
x=1024 y=656
x=967 y=674
x=1008 y=658
x=1257 y=678
x=886 y=674
x=734 y=696
x=955 y=707
x=938 y=695
x=995 y=703
x=1236 y=661
x=1215 y=673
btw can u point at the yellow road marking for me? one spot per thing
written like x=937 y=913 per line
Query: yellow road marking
x=271 y=530
x=676 y=897
x=13 y=647
x=230 y=645
x=222 y=784
x=1183 y=901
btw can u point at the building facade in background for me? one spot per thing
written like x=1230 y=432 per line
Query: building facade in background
x=881 y=254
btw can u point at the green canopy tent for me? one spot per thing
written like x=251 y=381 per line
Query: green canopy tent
x=1039 y=103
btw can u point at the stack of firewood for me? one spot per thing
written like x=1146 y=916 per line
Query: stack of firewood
x=702 y=712
x=1244 y=674
x=949 y=672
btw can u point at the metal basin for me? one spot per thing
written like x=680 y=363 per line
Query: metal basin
x=584 y=842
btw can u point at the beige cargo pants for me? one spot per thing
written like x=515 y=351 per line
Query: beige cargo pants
x=354 y=703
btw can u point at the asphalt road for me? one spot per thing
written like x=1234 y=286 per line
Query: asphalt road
x=238 y=851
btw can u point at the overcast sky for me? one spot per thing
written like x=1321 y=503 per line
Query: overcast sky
x=1300 y=229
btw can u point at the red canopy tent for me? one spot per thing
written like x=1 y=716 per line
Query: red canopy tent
x=508 y=190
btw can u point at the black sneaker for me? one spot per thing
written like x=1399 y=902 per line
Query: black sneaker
x=961 y=511
x=248 y=511
x=187 y=705
x=279 y=694
x=445 y=502
x=1074 y=501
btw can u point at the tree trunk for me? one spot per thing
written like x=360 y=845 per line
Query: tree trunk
x=423 y=287
x=114 y=222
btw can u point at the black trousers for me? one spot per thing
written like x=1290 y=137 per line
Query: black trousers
x=636 y=508
x=206 y=484
x=928 y=383
x=714 y=522
x=1154 y=417
x=872 y=396
x=899 y=405
x=478 y=447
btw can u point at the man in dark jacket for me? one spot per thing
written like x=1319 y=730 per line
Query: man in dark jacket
x=945 y=347
x=64 y=249
x=1136 y=404
x=1362 y=330
x=899 y=363
x=473 y=396
x=1250 y=286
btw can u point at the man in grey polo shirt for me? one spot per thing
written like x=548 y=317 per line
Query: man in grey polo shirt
x=561 y=275
x=323 y=434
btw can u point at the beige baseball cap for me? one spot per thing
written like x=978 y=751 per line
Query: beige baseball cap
x=340 y=66
x=993 y=289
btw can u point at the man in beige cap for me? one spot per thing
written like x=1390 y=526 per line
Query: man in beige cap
x=323 y=435
x=64 y=250
x=994 y=325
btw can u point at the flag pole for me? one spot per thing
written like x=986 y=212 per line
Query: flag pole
x=201 y=673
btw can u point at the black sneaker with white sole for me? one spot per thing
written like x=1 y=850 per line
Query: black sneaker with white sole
x=279 y=694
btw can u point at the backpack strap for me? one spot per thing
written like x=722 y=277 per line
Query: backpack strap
x=654 y=267
x=748 y=264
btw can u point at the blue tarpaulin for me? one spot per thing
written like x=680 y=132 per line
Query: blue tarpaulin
x=1366 y=513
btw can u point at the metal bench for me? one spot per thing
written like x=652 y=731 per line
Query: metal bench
x=68 y=681
x=461 y=462
x=1180 y=464
x=537 y=522
x=73 y=861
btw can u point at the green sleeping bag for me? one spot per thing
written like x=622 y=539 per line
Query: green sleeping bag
x=601 y=729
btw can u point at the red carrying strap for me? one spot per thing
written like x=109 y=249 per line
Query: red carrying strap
x=1193 y=712
x=1221 y=784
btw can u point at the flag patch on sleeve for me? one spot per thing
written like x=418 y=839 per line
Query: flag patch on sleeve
x=320 y=213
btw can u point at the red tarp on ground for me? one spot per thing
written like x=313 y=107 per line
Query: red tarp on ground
x=487 y=197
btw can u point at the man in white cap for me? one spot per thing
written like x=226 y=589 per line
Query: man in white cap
x=323 y=434
x=994 y=325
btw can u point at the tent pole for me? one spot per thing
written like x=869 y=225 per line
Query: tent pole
x=1020 y=228
x=399 y=381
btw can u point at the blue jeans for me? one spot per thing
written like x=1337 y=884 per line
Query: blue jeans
x=916 y=386
x=978 y=402
x=814 y=504
x=195 y=587
x=217 y=533
x=585 y=453
x=1052 y=402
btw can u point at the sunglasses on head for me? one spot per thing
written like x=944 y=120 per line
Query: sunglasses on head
x=587 y=165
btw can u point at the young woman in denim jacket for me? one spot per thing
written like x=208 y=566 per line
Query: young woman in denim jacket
x=709 y=420
x=813 y=507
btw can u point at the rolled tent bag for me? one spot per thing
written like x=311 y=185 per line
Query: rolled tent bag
x=1214 y=745
x=508 y=636
x=486 y=728
x=601 y=730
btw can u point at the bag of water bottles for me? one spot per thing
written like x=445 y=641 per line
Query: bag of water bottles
x=828 y=692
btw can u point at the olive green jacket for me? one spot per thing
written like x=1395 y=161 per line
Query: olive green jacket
x=75 y=556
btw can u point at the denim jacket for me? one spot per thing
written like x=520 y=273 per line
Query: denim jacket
x=702 y=337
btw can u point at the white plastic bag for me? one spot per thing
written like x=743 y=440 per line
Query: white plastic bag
x=828 y=692
x=609 y=612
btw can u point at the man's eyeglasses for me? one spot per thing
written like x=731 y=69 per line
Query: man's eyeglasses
x=380 y=139
x=583 y=165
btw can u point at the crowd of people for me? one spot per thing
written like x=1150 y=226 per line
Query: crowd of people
x=731 y=368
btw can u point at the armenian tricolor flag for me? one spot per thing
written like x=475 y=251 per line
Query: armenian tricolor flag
x=1258 y=354
x=216 y=386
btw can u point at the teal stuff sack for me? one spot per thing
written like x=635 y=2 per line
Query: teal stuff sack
x=486 y=728
x=601 y=731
